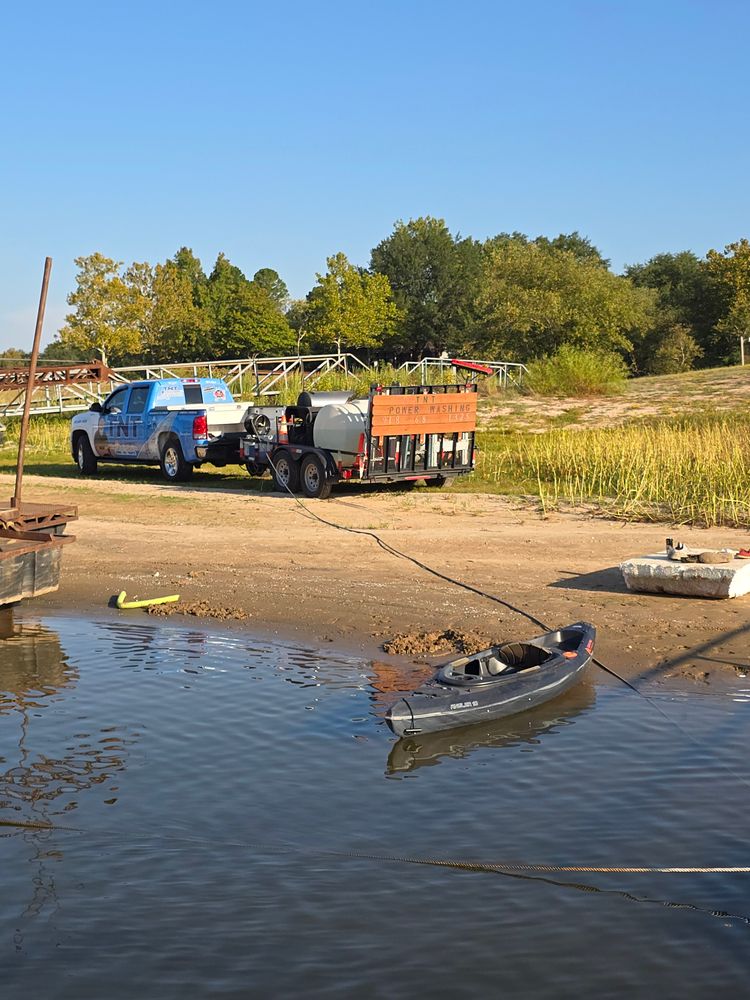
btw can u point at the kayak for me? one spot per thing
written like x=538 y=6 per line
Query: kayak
x=496 y=682
x=528 y=728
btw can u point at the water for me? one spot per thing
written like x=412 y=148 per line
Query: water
x=208 y=779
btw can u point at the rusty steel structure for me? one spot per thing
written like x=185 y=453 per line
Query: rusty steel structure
x=31 y=534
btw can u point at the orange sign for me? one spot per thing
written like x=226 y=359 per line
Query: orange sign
x=429 y=413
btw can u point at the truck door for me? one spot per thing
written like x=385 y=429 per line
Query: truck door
x=134 y=414
x=112 y=426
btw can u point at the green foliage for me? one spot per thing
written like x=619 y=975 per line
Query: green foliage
x=731 y=269
x=534 y=299
x=689 y=296
x=434 y=276
x=580 y=246
x=243 y=318
x=179 y=327
x=349 y=307
x=576 y=371
x=110 y=311
x=12 y=356
x=672 y=350
x=269 y=280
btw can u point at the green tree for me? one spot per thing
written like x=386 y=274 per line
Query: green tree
x=671 y=350
x=13 y=354
x=57 y=351
x=349 y=307
x=688 y=296
x=534 y=299
x=110 y=310
x=269 y=280
x=243 y=318
x=299 y=318
x=580 y=246
x=434 y=277
x=731 y=268
x=179 y=326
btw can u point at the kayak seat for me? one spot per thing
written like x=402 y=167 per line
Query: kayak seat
x=523 y=654
x=496 y=666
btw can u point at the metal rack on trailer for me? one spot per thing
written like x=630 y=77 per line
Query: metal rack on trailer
x=396 y=433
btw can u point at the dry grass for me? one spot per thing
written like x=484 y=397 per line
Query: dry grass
x=694 y=471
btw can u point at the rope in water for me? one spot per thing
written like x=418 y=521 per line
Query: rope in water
x=478 y=866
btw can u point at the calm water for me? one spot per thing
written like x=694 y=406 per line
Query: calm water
x=204 y=776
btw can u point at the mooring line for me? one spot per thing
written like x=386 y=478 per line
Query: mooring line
x=508 y=866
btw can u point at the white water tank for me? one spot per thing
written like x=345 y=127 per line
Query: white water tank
x=339 y=426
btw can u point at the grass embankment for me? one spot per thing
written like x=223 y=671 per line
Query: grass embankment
x=672 y=448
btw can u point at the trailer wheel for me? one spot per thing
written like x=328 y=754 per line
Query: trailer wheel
x=313 y=478
x=85 y=457
x=174 y=468
x=285 y=472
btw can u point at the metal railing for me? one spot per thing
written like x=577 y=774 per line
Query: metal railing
x=70 y=387
x=251 y=376
x=508 y=373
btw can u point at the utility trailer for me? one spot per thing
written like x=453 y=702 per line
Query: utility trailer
x=395 y=434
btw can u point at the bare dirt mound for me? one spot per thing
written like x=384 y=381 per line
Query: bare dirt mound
x=450 y=640
x=199 y=609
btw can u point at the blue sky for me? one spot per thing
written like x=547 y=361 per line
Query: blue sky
x=283 y=133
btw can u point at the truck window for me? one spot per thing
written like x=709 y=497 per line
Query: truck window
x=116 y=402
x=138 y=398
x=193 y=394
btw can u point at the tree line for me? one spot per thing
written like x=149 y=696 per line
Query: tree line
x=425 y=291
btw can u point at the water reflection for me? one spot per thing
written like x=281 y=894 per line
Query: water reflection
x=412 y=752
x=42 y=777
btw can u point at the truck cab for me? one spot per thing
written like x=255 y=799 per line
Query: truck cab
x=176 y=423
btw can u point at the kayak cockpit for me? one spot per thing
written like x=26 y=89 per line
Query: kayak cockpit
x=493 y=663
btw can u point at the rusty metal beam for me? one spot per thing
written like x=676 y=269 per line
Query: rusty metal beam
x=16 y=499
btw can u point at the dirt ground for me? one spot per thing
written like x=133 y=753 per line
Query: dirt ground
x=236 y=552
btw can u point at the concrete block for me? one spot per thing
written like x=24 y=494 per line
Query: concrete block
x=656 y=574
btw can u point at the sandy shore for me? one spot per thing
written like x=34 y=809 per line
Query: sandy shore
x=301 y=580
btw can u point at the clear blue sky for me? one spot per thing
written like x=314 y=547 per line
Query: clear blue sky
x=282 y=133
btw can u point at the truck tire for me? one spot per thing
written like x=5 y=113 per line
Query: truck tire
x=285 y=472
x=313 y=478
x=85 y=457
x=256 y=469
x=174 y=468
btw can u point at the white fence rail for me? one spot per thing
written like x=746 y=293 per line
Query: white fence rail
x=507 y=373
x=244 y=376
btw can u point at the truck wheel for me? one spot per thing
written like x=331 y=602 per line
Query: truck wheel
x=85 y=457
x=313 y=478
x=285 y=473
x=174 y=468
x=255 y=469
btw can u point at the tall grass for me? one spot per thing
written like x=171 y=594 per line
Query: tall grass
x=48 y=433
x=686 y=471
x=573 y=371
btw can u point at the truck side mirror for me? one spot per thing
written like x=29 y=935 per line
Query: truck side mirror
x=96 y=407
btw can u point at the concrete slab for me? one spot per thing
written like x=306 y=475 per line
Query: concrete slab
x=656 y=574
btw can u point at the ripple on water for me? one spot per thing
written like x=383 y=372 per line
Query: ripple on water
x=213 y=774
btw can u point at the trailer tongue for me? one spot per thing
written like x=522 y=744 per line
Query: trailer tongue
x=396 y=433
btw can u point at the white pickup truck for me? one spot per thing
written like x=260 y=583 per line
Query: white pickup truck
x=176 y=423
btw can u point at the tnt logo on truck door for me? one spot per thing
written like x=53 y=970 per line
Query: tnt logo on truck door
x=123 y=421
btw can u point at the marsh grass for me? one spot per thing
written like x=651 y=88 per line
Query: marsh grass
x=692 y=471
